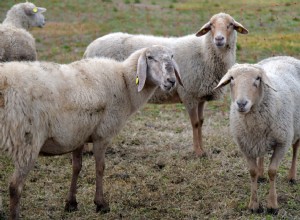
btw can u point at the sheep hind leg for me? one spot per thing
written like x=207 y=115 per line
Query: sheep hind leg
x=17 y=183
x=71 y=202
x=99 y=153
x=196 y=118
x=272 y=205
x=293 y=169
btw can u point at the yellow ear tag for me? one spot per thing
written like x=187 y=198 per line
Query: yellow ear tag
x=137 y=80
x=35 y=10
x=240 y=29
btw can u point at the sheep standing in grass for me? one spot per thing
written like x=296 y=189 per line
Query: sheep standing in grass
x=203 y=60
x=265 y=117
x=52 y=109
x=16 y=42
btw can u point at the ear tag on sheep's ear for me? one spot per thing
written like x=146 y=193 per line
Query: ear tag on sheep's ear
x=35 y=10
x=137 y=80
x=240 y=29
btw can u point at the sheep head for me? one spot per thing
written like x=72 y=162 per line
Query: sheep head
x=156 y=66
x=221 y=26
x=247 y=85
x=34 y=14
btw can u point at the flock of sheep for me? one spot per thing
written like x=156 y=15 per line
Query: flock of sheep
x=53 y=109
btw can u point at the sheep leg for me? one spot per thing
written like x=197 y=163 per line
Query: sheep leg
x=260 y=164
x=196 y=118
x=292 y=172
x=99 y=153
x=254 y=205
x=71 y=203
x=17 y=183
x=272 y=206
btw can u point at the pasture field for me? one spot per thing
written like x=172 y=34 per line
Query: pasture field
x=151 y=171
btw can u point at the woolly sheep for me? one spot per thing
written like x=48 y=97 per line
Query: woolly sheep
x=16 y=42
x=52 y=109
x=264 y=117
x=203 y=59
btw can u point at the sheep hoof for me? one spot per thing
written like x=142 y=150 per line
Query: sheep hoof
x=71 y=206
x=261 y=180
x=292 y=182
x=103 y=208
x=201 y=154
x=272 y=211
x=259 y=210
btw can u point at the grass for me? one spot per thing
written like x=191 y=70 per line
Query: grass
x=151 y=172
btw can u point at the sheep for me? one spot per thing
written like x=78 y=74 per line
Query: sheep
x=203 y=59
x=265 y=117
x=17 y=43
x=52 y=109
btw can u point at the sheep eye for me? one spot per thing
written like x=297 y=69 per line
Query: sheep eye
x=231 y=78
x=150 y=58
x=172 y=56
x=230 y=25
x=258 y=78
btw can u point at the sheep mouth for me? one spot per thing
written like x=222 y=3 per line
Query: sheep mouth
x=243 y=110
x=168 y=87
x=220 y=44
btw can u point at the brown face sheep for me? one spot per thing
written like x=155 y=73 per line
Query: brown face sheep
x=203 y=59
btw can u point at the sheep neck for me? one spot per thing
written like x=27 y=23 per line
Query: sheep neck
x=136 y=99
x=16 y=21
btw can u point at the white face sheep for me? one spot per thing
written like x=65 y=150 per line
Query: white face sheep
x=16 y=42
x=204 y=58
x=52 y=109
x=264 y=117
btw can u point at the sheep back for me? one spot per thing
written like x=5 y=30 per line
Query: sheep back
x=201 y=65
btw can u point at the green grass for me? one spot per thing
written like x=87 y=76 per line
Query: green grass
x=151 y=172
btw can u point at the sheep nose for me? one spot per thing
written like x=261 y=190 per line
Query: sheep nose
x=241 y=104
x=172 y=81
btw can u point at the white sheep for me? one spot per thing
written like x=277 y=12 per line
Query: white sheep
x=16 y=42
x=203 y=61
x=52 y=109
x=265 y=117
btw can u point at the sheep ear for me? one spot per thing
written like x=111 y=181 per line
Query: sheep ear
x=141 y=71
x=177 y=72
x=267 y=81
x=224 y=81
x=240 y=28
x=31 y=11
x=205 y=29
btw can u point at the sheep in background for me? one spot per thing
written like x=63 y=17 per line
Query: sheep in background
x=16 y=42
x=203 y=60
x=264 y=117
x=54 y=109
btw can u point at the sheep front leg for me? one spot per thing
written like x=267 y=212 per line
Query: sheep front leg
x=196 y=118
x=71 y=203
x=254 y=205
x=293 y=169
x=17 y=182
x=99 y=153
